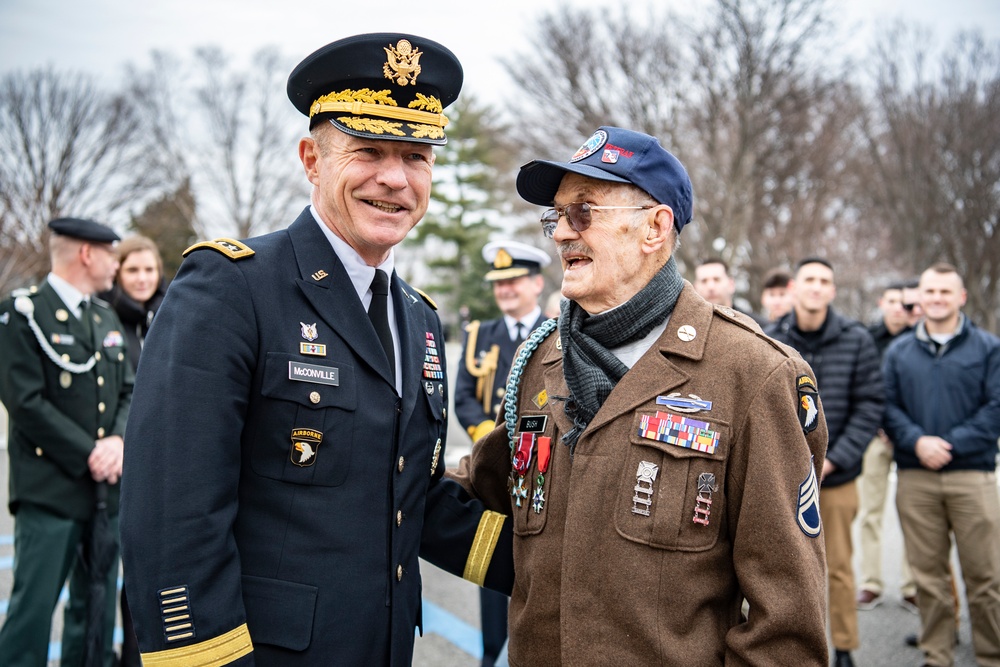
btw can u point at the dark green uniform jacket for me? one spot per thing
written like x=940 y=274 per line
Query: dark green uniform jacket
x=57 y=414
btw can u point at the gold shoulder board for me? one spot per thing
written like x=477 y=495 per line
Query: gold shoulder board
x=231 y=248
x=430 y=301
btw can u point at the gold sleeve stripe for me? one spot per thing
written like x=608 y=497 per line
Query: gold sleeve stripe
x=483 y=545
x=213 y=652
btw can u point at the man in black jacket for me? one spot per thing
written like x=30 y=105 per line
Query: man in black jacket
x=843 y=355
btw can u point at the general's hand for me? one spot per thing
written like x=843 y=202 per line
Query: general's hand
x=105 y=459
x=934 y=452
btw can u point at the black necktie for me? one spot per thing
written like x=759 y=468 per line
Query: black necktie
x=378 y=313
x=520 y=333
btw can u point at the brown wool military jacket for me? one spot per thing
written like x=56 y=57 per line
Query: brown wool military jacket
x=600 y=582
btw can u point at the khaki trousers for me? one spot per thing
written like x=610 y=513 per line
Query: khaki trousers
x=932 y=506
x=838 y=505
x=873 y=488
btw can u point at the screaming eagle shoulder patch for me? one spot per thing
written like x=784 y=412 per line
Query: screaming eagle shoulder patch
x=808 y=408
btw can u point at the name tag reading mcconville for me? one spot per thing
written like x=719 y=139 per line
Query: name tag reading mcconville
x=311 y=373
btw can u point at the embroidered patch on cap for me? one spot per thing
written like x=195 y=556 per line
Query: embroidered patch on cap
x=591 y=146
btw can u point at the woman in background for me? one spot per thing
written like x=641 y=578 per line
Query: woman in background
x=138 y=290
x=135 y=296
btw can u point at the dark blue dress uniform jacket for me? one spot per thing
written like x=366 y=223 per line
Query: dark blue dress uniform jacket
x=223 y=533
x=468 y=408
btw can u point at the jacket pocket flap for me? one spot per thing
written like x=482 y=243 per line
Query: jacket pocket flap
x=279 y=612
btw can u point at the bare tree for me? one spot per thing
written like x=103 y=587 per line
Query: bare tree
x=232 y=133
x=585 y=70
x=67 y=147
x=934 y=142
x=772 y=147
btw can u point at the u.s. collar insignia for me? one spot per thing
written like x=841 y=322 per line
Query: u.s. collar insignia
x=305 y=446
x=808 y=411
x=309 y=331
x=403 y=63
x=691 y=403
x=591 y=146
x=319 y=275
x=807 y=515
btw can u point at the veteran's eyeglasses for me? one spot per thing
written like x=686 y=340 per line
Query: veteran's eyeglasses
x=908 y=307
x=578 y=216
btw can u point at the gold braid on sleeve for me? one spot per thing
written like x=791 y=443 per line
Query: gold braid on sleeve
x=485 y=370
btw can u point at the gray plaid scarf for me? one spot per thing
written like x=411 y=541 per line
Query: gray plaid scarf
x=592 y=371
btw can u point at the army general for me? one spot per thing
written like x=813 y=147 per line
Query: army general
x=284 y=457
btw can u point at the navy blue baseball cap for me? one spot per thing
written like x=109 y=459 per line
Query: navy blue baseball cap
x=620 y=156
x=384 y=85
x=84 y=230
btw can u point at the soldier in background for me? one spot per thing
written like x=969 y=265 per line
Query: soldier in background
x=67 y=385
x=482 y=376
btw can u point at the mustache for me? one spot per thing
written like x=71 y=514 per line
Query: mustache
x=574 y=247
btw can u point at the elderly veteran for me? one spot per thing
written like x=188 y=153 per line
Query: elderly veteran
x=659 y=455
x=284 y=457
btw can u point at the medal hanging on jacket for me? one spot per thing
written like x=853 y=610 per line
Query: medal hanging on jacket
x=544 y=452
x=521 y=463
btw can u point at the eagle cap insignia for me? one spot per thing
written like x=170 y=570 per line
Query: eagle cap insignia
x=403 y=63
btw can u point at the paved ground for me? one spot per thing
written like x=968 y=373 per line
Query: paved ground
x=451 y=612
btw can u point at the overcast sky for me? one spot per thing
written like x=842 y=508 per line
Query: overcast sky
x=101 y=36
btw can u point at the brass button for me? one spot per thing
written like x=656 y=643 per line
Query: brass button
x=100 y=432
x=97 y=355
x=101 y=407
x=65 y=357
x=444 y=413
x=402 y=462
x=500 y=392
x=38 y=451
x=314 y=397
x=399 y=517
x=121 y=356
x=399 y=573
x=100 y=381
